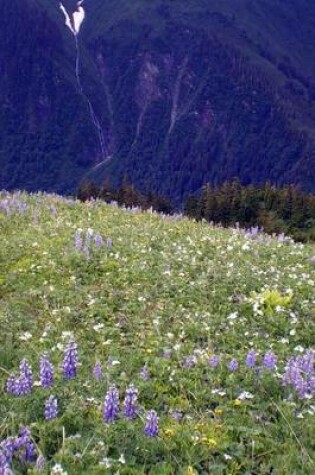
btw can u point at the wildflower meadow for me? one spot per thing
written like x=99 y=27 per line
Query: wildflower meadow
x=138 y=343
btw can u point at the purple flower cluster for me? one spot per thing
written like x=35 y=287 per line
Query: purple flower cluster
x=21 y=385
x=130 y=402
x=253 y=232
x=98 y=240
x=111 y=405
x=78 y=241
x=98 y=371
x=83 y=244
x=144 y=373
x=46 y=372
x=214 y=361
x=51 y=408
x=270 y=360
x=21 y=446
x=70 y=361
x=300 y=374
x=251 y=357
x=190 y=361
x=13 y=204
x=111 y=409
x=167 y=353
x=151 y=427
x=233 y=365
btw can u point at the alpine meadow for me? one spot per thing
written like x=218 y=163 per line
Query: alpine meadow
x=139 y=343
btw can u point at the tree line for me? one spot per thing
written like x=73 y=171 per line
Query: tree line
x=125 y=195
x=276 y=210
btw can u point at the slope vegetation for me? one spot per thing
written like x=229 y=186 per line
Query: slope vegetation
x=138 y=343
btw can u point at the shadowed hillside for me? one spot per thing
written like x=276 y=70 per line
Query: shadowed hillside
x=183 y=93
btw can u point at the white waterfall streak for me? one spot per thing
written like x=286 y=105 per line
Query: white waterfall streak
x=74 y=24
x=78 y=18
x=67 y=18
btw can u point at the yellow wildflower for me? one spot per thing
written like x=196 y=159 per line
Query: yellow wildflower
x=169 y=432
x=237 y=402
x=209 y=442
x=191 y=471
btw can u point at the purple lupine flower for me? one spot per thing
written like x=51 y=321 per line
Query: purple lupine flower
x=130 y=401
x=46 y=371
x=7 y=448
x=24 y=436
x=70 y=361
x=51 y=408
x=22 y=386
x=10 y=445
x=30 y=454
x=151 y=427
x=270 y=360
x=144 y=373
x=26 y=377
x=214 y=361
x=233 y=365
x=78 y=241
x=109 y=243
x=98 y=240
x=251 y=358
x=176 y=414
x=307 y=361
x=111 y=404
x=190 y=361
x=98 y=371
x=300 y=374
x=167 y=353
x=86 y=248
x=25 y=369
x=88 y=237
x=4 y=463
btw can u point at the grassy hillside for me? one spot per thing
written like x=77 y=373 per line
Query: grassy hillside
x=214 y=329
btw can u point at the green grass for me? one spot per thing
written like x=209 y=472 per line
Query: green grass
x=166 y=283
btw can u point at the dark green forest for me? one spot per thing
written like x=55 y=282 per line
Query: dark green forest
x=185 y=93
x=274 y=210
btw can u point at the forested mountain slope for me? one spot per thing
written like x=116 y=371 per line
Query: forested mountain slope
x=171 y=94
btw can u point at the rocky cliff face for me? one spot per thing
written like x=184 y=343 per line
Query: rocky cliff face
x=171 y=95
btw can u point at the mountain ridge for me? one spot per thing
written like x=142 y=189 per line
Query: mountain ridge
x=184 y=94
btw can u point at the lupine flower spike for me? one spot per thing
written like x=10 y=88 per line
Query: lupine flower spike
x=111 y=405
x=151 y=427
x=70 y=361
x=51 y=408
x=46 y=372
x=98 y=371
x=130 y=403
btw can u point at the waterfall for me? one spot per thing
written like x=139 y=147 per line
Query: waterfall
x=74 y=23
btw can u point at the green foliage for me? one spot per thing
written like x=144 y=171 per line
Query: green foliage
x=277 y=210
x=166 y=283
